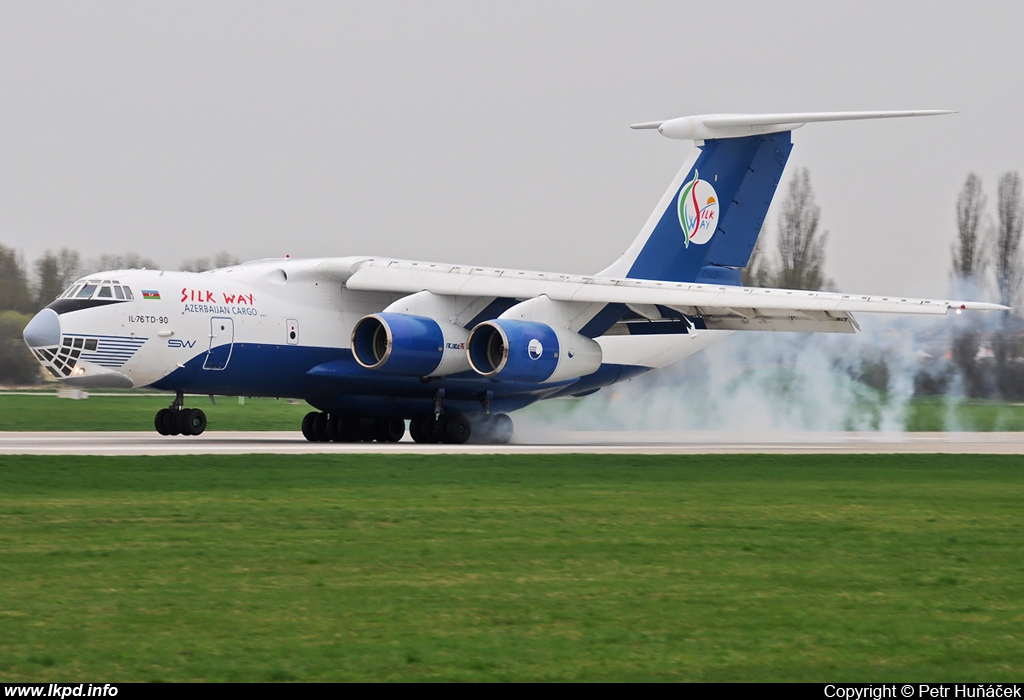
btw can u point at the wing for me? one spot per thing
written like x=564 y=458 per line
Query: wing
x=648 y=301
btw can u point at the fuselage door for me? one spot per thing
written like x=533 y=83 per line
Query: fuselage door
x=222 y=339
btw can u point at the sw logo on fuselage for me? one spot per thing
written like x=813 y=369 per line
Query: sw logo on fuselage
x=698 y=211
x=176 y=343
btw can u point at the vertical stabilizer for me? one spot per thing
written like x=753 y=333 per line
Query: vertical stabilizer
x=707 y=222
x=712 y=215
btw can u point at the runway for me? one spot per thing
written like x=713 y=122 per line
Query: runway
x=650 y=443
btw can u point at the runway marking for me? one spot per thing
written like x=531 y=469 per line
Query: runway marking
x=240 y=442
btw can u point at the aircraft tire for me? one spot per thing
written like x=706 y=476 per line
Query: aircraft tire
x=416 y=429
x=333 y=428
x=482 y=427
x=307 y=426
x=457 y=429
x=434 y=429
x=389 y=429
x=194 y=419
x=181 y=418
x=346 y=428
x=160 y=421
x=171 y=425
x=491 y=429
x=367 y=429
x=421 y=428
x=501 y=429
x=319 y=428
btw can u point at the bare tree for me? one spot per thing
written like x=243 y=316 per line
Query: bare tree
x=54 y=272
x=196 y=265
x=123 y=261
x=221 y=259
x=759 y=271
x=801 y=247
x=14 y=291
x=69 y=266
x=47 y=284
x=1007 y=243
x=970 y=261
x=17 y=366
x=969 y=253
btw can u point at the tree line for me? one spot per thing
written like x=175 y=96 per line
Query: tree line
x=987 y=250
x=986 y=256
x=987 y=259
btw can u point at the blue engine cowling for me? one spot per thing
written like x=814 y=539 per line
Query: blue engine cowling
x=398 y=343
x=407 y=344
x=526 y=351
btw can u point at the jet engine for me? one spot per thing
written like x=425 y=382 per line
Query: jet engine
x=410 y=345
x=530 y=352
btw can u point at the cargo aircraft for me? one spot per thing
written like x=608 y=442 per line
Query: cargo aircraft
x=371 y=343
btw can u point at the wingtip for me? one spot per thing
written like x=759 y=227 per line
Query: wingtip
x=959 y=306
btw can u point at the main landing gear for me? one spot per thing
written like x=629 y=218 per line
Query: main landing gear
x=451 y=428
x=458 y=428
x=176 y=420
x=349 y=427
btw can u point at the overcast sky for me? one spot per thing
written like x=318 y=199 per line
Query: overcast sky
x=484 y=132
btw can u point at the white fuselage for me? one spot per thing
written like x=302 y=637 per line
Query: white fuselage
x=259 y=329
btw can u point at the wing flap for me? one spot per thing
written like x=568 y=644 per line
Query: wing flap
x=797 y=320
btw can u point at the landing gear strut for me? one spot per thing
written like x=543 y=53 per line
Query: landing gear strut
x=176 y=420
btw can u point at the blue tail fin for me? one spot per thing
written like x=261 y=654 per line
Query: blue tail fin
x=712 y=214
x=707 y=223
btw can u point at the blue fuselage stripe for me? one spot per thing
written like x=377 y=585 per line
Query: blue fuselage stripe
x=330 y=378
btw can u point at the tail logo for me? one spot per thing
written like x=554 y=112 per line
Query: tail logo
x=698 y=211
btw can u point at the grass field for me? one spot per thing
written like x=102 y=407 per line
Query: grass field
x=320 y=567
x=129 y=411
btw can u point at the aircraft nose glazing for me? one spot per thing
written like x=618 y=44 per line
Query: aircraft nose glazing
x=43 y=330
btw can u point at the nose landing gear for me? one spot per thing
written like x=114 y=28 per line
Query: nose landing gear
x=176 y=420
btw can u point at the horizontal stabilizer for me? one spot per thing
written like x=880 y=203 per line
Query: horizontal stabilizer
x=724 y=126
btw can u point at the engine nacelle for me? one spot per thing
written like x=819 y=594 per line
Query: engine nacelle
x=410 y=345
x=530 y=352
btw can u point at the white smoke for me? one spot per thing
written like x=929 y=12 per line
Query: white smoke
x=753 y=384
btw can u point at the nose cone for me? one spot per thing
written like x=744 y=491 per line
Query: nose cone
x=43 y=331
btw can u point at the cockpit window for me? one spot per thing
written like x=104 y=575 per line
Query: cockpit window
x=98 y=289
